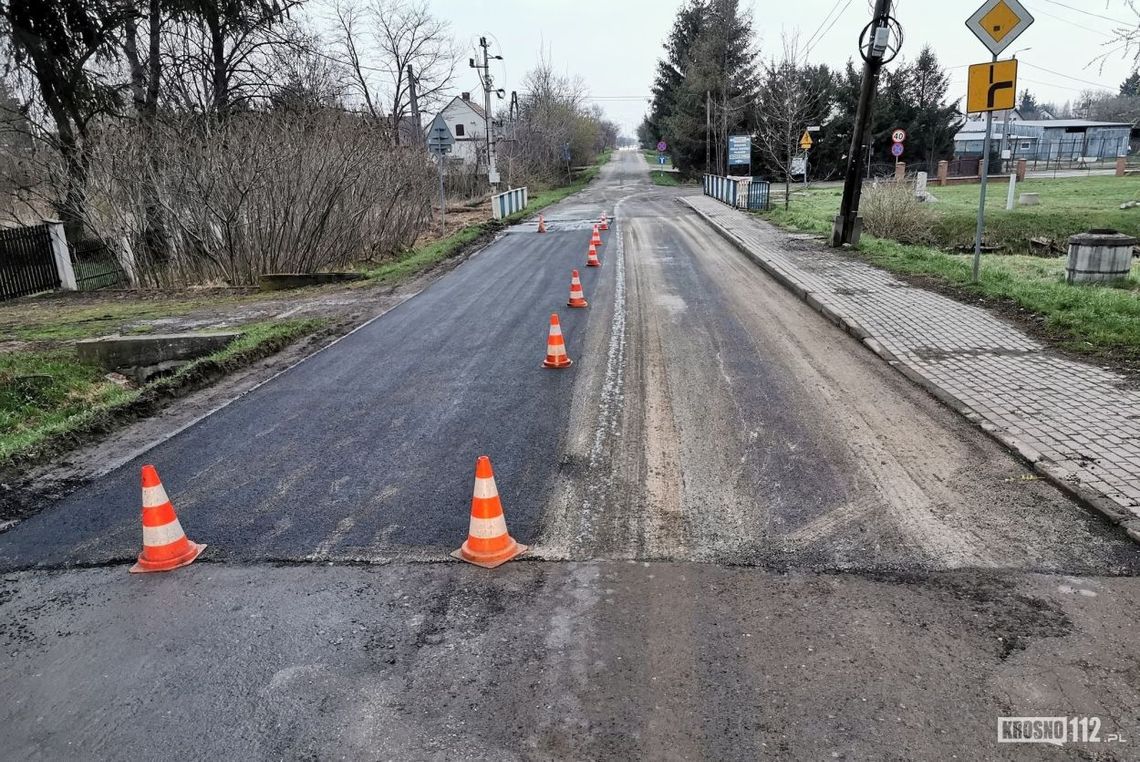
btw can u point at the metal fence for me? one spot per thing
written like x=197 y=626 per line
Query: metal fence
x=27 y=265
x=96 y=266
x=721 y=188
x=759 y=195
x=506 y=204
x=1075 y=155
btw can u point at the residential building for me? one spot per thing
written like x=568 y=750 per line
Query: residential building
x=466 y=120
x=1045 y=140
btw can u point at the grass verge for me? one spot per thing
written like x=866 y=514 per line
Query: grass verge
x=1101 y=320
x=668 y=179
x=50 y=401
x=1068 y=206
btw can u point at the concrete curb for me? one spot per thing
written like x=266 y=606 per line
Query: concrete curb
x=1047 y=469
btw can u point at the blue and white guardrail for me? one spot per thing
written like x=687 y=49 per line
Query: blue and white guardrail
x=506 y=204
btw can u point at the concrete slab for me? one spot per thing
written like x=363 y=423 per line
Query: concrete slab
x=157 y=352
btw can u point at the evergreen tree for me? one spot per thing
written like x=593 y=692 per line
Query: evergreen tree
x=708 y=55
x=671 y=70
x=1027 y=105
x=913 y=97
x=1131 y=86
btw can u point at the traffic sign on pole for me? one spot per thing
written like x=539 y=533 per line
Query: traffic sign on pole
x=992 y=86
x=898 y=136
x=896 y=149
x=806 y=141
x=998 y=23
x=439 y=137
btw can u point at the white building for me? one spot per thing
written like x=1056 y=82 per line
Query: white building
x=465 y=119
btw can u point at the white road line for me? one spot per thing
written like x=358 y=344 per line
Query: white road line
x=609 y=408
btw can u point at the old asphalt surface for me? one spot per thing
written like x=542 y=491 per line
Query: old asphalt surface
x=751 y=539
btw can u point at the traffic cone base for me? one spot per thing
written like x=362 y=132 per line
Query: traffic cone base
x=489 y=561
x=488 y=542
x=188 y=557
x=165 y=545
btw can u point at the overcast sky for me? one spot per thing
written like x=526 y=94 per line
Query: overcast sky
x=614 y=44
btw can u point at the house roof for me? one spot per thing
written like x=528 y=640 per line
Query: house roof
x=979 y=125
x=982 y=136
x=469 y=103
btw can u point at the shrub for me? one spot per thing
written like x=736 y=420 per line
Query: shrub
x=261 y=192
x=890 y=210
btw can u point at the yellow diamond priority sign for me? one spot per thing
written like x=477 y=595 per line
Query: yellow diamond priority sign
x=998 y=23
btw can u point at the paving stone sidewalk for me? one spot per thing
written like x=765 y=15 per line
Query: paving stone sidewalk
x=1078 y=424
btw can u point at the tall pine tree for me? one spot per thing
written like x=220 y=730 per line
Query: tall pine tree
x=709 y=58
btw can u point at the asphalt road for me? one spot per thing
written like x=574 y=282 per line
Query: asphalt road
x=750 y=539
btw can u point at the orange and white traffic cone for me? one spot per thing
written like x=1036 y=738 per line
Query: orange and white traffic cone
x=488 y=543
x=592 y=257
x=556 y=356
x=165 y=546
x=604 y=223
x=541 y=224
x=577 y=298
x=596 y=238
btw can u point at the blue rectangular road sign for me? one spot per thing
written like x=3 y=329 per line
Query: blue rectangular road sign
x=739 y=150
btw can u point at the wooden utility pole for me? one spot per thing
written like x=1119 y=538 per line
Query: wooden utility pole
x=415 y=106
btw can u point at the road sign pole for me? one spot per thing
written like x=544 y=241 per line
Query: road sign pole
x=442 y=199
x=976 y=270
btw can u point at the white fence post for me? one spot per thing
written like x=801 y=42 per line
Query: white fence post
x=62 y=255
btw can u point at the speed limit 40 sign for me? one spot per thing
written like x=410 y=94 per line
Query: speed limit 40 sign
x=898 y=136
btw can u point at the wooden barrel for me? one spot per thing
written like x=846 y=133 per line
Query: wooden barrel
x=1098 y=256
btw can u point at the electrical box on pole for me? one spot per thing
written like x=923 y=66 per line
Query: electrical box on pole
x=879 y=43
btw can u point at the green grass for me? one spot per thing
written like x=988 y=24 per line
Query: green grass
x=651 y=159
x=668 y=179
x=49 y=395
x=658 y=173
x=55 y=320
x=1068 y=206
x=1097 y=319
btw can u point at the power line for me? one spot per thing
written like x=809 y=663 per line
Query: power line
x=1066 y=76
x=1090 y=13
x=1101 y=32
x=821 y=23
x=829 y=28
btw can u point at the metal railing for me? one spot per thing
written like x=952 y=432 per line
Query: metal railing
x=27 y=265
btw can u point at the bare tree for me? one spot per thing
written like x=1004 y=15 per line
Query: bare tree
x=219 y=55
x=381 y=40
x=263 y=191
x=787 y=100
x=554 y=128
